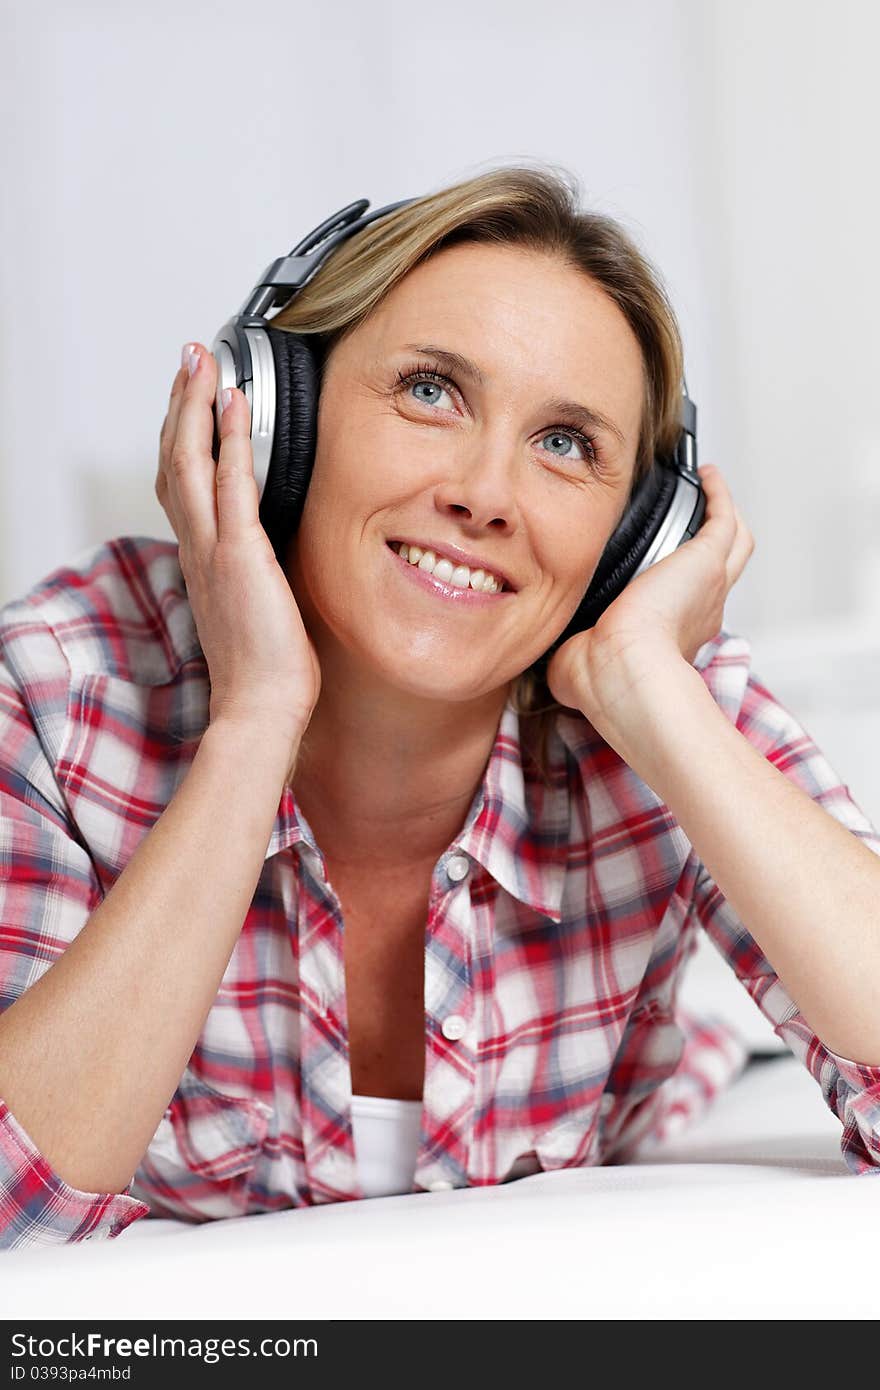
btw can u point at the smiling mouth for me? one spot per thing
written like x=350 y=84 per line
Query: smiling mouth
x=480 y=581
x=430 y=582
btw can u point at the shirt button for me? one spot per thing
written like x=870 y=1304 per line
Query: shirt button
x=453 y=1027
x=457 y=867
x=441 y=1185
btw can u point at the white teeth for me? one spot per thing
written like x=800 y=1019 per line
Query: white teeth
x=481 y=581
x=443 y=570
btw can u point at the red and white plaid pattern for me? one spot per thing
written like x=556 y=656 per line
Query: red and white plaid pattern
x=561 y=920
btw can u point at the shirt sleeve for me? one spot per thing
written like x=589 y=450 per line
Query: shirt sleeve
x=48 y=889
x=850 y=1089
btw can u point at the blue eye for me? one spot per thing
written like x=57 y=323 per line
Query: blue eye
x=432 y=386
x=566 y=438
x=435 y=381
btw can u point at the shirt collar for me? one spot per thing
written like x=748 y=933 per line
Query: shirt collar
x=516 y=828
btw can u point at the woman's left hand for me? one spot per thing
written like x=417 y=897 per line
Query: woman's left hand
x=663 y=617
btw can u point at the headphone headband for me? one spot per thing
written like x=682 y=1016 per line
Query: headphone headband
x=285 y=277
x=291 y=272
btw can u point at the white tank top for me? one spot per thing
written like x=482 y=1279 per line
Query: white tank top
x=386 y=1143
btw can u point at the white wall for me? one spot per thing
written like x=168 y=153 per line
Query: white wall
x=156 y=160
x=163 y=157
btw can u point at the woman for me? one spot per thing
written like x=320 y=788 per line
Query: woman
x=303 y=833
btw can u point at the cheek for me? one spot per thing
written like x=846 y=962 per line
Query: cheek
x=330 y=555
x=315 y=558
x=572 y=548
x=360 y=468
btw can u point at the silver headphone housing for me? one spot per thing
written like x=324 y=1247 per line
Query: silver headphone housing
x=259 y=388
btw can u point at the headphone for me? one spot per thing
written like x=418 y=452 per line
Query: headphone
x=279 y=373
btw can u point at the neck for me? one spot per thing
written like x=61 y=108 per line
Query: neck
x=386 y=778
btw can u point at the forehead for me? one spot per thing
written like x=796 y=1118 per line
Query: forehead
x=526 y=318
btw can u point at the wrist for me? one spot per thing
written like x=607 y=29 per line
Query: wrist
x=643 y=700
x=268 y=738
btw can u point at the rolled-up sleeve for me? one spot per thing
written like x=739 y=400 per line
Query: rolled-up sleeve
x=48 y=890
x=851 y=1089
x=37 y=1207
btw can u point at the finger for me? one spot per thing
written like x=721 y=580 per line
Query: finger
x=192 y=470
x=238 y=499
x=164 y=484
x=737 y=535
x=719 y=523
x=168 y=432
x=741 y=551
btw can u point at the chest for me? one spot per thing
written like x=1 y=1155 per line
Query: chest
x=384 y=922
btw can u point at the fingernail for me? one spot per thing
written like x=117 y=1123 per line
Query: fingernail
x=193 y=360
x=185 y=354
x=225 y=398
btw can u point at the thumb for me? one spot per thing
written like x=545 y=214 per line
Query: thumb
x=567 y=668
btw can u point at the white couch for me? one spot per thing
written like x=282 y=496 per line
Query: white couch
x=752 y=1213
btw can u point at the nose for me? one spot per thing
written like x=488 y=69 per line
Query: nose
x=482 y=488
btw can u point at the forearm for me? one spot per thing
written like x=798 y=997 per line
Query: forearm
x=804 y=886
x=91 y=1054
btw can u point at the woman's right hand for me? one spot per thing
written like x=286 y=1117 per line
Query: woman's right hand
x=262 y=664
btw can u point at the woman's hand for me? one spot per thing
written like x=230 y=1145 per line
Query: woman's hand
x=262 y=663
x=660 y=619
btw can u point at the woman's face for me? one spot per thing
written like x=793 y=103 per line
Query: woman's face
x=482 y=458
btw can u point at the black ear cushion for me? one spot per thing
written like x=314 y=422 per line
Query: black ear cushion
x=625 y=549
x=297 y=386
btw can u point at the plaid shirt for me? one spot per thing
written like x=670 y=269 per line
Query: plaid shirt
x=560 y=922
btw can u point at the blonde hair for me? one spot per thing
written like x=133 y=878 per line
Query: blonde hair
x=536 y=208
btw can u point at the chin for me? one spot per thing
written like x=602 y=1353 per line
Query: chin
x=437 y=683
x=426 y=671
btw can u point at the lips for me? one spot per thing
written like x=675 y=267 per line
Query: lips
x=457 y=556
x=459 y=598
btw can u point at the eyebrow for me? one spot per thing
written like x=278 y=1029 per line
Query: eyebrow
x=583 y=416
